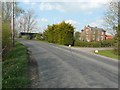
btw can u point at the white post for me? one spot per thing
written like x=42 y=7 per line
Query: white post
x=69 y=45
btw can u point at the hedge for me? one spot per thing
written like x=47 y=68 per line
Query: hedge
x=104 y=43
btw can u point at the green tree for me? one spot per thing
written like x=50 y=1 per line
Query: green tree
x=77 y=35
x=61 y=33
x=49 y=34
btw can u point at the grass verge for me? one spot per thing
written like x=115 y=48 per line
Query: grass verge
x=15 y=68
x=108 y=53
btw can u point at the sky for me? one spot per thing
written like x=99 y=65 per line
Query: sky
x=79 y=13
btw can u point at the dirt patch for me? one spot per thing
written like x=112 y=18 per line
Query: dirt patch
x=32 y=71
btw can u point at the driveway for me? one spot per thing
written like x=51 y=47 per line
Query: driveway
x=63 y=67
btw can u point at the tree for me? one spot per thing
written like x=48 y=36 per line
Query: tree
x=6 y=11
x=61 y=33
x=112 y=19
x=26 y=22
x=77 y=35
x=118 y=40
x=118 y=29
x=9 y=10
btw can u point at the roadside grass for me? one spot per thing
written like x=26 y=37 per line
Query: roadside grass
x=15 y=68
x=0 y=75
x=108 y=53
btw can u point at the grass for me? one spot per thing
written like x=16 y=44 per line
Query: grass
x=108 y=53
x=0 y=75
x=15 y=67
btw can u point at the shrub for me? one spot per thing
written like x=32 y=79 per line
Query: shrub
x=26 y=37
x=38 y=36
x=6 y=36
x=105 y=43
x=86 y=44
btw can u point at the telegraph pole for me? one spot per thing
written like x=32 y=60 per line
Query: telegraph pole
x=13 y=33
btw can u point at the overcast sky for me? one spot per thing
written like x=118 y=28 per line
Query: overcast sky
x=78 y=13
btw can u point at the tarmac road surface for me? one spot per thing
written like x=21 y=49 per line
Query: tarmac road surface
x=64 y=67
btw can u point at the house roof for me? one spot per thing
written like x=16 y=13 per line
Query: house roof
x=96 y=28
x=109 y=35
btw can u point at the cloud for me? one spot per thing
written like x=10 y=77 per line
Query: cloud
x=87 y=6
x=67 y=0
x=101 y=1
x=26 y=1
x=76 y=24
x=73 y=22
x=44 y=20
x=50 y=6
x=97 y=23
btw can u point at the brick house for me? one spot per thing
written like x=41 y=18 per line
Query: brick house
x=90 y=34
x=108 y=37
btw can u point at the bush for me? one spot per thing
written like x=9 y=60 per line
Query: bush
x=105 y=43
x=86 y=44
x=38 y=36
x=26 y=37
x=6 y=36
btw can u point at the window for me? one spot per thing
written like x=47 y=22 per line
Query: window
x=102 y=37
x=98 y=38
x=87 y=31
x=88 y=39
x=102 y=33
x=93 y=32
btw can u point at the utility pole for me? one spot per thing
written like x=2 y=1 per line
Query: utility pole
x=13 y=33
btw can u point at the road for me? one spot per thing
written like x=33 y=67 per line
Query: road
x=64 y=67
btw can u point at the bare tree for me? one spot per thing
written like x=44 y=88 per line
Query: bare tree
x=111 y=17
x=7 y=11
x=27 y=22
